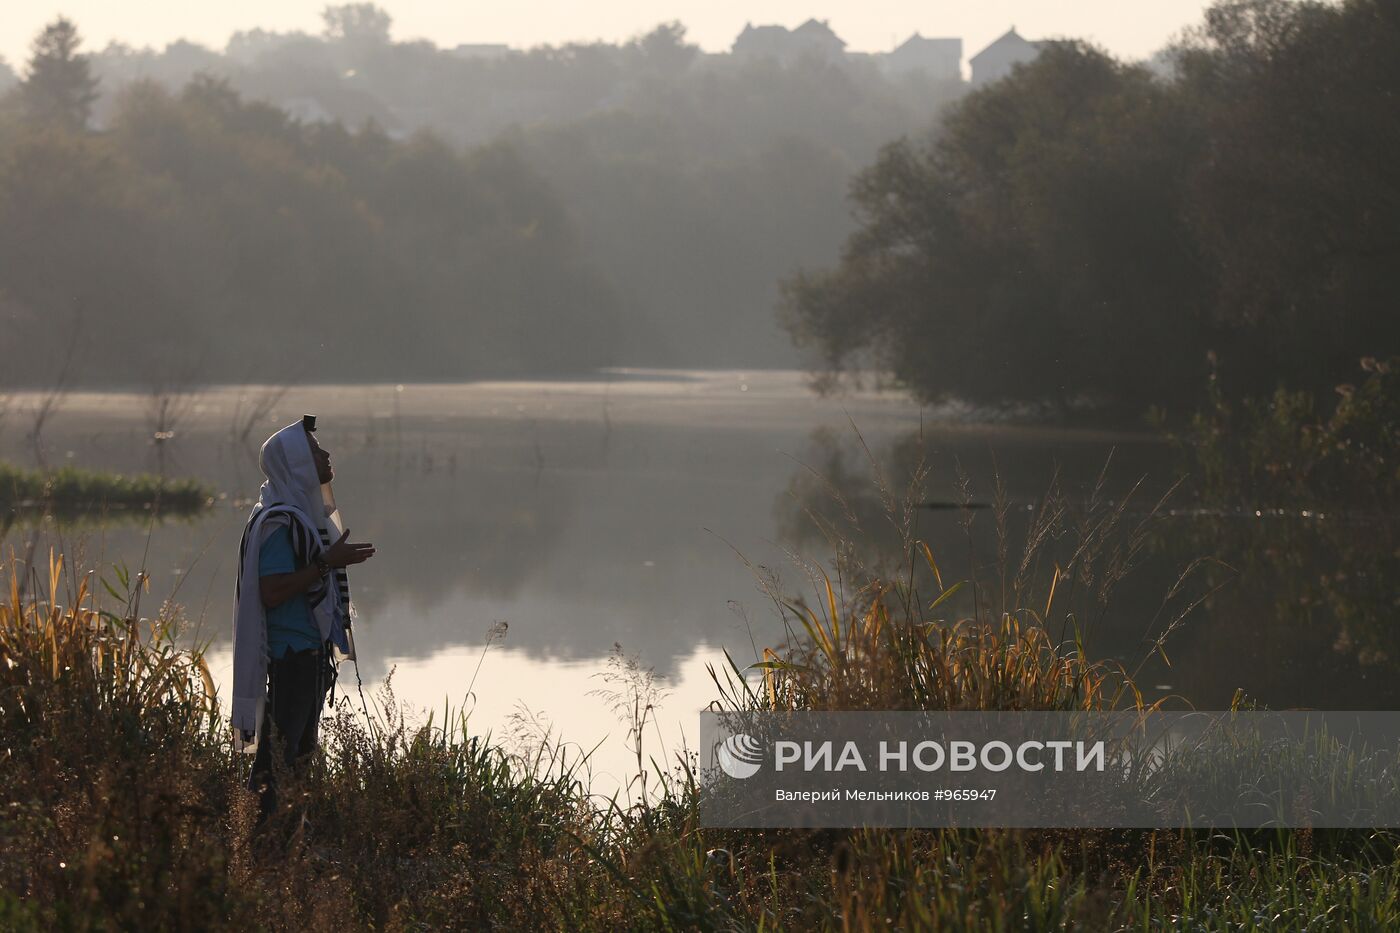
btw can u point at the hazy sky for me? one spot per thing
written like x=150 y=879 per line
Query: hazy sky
x=1132 y=28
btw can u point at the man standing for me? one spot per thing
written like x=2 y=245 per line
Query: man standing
x=291 y=607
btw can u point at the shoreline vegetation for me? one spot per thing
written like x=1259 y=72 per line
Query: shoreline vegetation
x=70 y=490
x=121 y=799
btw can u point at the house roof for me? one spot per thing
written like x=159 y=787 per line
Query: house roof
x=750 y=29
x=815 y=27
x=1010 y=38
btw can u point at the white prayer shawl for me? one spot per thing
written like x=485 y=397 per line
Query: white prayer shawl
x=291 y=496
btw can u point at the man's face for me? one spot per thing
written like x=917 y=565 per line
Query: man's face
x=323 y=459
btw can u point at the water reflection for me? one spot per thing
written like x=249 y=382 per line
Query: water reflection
x=1291 y=610
x=1310 y=620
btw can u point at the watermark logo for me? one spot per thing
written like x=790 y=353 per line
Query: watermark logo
x=1233 y=769
x=740 y=756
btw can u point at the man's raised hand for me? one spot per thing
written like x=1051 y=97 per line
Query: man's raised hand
x=342 y=554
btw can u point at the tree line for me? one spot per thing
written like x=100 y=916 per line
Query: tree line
x=1087 y=232
x=549 y=210
x=202 y=236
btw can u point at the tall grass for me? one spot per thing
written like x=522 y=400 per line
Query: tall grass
x=101 y=716
x=889 y=649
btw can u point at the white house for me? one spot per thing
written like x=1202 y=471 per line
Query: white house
x=940 y=59
x=996 y=60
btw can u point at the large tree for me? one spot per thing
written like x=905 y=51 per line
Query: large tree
x=59 y=87
x=1033 y=252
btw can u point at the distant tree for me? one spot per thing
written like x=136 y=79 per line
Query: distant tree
x=664 y=49
x=8 y=78
x=248 y=46
x=361 y=23
x=60 y=87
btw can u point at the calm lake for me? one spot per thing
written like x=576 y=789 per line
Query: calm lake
x=621 y=511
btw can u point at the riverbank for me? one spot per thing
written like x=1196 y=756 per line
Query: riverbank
x=70 y=489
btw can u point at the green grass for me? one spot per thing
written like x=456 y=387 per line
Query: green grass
x=72 y=489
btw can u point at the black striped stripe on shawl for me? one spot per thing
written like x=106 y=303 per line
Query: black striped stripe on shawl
x=342 y=581
x=305 y=546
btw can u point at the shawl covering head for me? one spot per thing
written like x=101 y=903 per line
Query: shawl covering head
x=290 y=473
x=292 y=496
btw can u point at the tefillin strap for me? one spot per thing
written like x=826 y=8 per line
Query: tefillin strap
x=342 y=579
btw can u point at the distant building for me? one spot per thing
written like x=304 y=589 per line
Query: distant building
x=762 y=40
x=940 y=59
x=813 y=37
x=481 y=50
x=816 y=36
x=996 y=60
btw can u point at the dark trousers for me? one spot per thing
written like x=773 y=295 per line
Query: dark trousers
x=297 y=684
